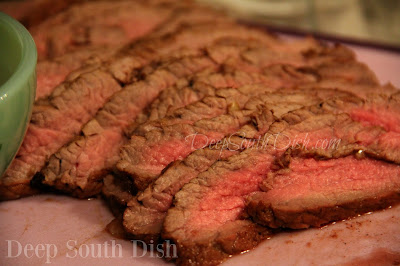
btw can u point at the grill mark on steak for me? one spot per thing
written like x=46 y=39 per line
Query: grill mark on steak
x=78 y=168
x=54 y=122
x=146 y=212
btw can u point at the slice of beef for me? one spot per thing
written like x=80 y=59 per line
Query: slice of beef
x=217 y=196
x=341 y=75
x=186 y=37
x=53 y=72
x=186 y=14
x=310 y=192
x=382 y=110
x=146 y=212
x=54 y=122
x=377 y=110
x=272 y=51
x=362 y=91
x=205 y=207
x=353 y=72
x=157 y=143
x=78 y=167
x=328 y=197
x=96 y=23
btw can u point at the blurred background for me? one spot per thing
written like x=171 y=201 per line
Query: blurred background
x=370 y=21
x=374 y=22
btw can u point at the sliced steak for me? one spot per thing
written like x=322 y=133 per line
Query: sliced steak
x=217 y=196
x=78 y=168
x=313 y=193
x=198 y=87
x=275 y=76
x=131 y=158
x=54 y=123
x=186 y=37
x=146 y=212
x=53 y=72
x=157 y=143
x=70 y=170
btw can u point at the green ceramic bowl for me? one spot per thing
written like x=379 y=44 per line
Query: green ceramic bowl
x=18 y=58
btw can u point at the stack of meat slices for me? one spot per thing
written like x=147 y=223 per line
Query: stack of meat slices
x=202 y=131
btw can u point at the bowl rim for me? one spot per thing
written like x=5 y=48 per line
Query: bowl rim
x=27 y=64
